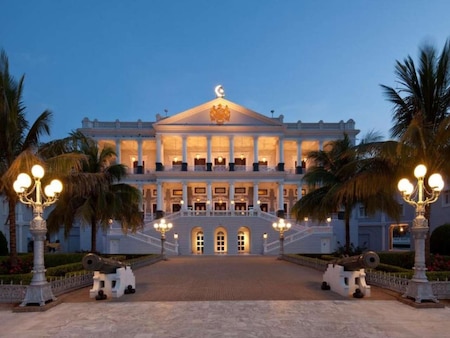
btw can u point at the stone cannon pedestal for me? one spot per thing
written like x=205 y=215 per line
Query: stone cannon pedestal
x=113 y=285
x=344 y=282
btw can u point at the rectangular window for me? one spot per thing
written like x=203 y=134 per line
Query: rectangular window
x=362 y=212
x=239 y=191
x=220 y=191
x=262 y=192
x=177 y=192
x=200 y=190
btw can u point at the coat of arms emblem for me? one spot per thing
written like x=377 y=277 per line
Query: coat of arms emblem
x=219 y=114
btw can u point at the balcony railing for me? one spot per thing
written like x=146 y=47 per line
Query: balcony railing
x=215 y=168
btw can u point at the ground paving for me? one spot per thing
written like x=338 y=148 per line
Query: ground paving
x=228 y=296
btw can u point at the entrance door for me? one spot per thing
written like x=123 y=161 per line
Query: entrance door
x=241 y=242
x=239 y=206
x=220 y=242
x=200 y=207
x=199 y=243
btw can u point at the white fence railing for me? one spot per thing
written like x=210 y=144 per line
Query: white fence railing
x=301 y=232
x=391 y=281
x=15 y=293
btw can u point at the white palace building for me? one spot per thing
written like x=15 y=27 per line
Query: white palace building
x=222 y=174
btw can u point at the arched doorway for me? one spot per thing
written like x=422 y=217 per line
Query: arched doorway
x=198 y=241
x=399 y=237
x=243 y=240
x=220 y=243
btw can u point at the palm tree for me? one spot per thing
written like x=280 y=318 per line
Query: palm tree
x=95 y=195
x=18 y=142
x=421 y=111
x=343 y=177
x=427 y=92
x=421 y=106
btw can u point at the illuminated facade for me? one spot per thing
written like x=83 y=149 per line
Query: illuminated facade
x=222 y=174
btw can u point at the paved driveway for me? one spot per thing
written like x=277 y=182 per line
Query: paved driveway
x=210 y=278
x=211 y=296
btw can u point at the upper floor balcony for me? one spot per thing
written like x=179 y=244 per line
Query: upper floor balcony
x=217 y=168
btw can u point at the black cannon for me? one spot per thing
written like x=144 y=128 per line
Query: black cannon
x=367 y=259
x=93 y=262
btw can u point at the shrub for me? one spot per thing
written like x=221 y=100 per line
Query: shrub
x=353 y=251
x=24 y=265
x=62 y=270
x=440 y=240
x=24 y=278
x=391 y=268
x=439 y=263
x=56 y=259
x=438 y=275
x=3 y=245
x=404 y=259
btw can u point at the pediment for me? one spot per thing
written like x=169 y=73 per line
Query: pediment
x=218 y=111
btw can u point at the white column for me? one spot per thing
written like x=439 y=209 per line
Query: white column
x=184 y=148
x=231 y=151
x=159 y=199
x=255 y=149
x=320 y=145
x=299 y=191
x=208 y=196
x=255 y=195
x=208 y=150
x=185 y=197
x=299 y=153
x=280 y=195
x=158 y=148
x=118 y=151
x=140 y=152
x=281 y=149
x=231 y=197
x=231 y=193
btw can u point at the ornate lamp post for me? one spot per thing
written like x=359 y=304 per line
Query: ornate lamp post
x=39 y=291
x=281 y=226
x=163 y=227
x=418 y=286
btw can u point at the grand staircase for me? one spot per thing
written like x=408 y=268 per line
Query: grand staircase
x=260 y=223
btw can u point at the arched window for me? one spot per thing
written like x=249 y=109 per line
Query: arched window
x=220 y=241
x=199 y=242
x=241 y=241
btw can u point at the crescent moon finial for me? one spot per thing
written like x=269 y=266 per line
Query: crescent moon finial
x=220 y=92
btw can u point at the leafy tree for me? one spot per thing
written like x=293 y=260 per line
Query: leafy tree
x=344 y=176
x=95 y=194
x=18 y=141
x=421 y=106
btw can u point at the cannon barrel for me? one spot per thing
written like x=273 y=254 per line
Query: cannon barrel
x=93 y=262
x=367 y=259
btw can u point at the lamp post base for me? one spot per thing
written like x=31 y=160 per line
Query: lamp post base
x=38 y=295
x=420 y=291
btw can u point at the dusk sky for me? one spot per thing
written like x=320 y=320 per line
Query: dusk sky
x=130 y=60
